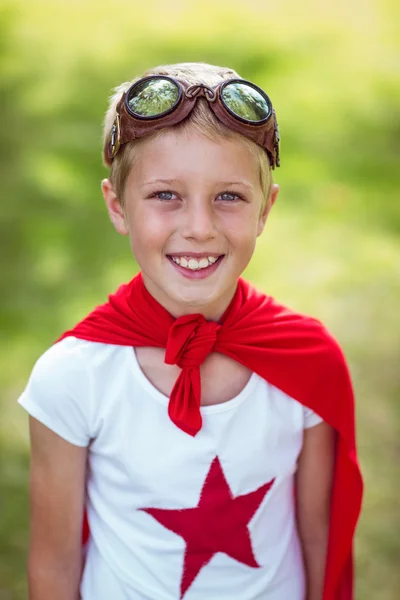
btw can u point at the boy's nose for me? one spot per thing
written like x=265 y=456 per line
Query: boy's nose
x=199 y=221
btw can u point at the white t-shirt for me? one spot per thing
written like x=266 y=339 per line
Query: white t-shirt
x=173 y=516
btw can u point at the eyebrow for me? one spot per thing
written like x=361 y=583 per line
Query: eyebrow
x=242 y=182
x=152 y=181
x=238 y=182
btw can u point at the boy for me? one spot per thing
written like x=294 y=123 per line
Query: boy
x=207 y=430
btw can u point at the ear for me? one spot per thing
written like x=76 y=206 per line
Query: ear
x=114 y=207
x=268 y=205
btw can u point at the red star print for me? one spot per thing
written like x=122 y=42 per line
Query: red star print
x=217 y=524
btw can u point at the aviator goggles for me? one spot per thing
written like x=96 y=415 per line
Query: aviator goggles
x=159 y=101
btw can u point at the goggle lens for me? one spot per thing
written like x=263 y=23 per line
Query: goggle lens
x=152 y=98
x=246 y=102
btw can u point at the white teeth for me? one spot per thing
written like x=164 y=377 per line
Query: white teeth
x=192 y=263
x=203 y=263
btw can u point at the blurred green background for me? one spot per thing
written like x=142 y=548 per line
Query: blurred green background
x=332 y=245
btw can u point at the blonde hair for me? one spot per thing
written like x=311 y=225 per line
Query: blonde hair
x=201 y=120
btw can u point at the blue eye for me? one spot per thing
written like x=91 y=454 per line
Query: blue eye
x=230 y=196
x=163 y=196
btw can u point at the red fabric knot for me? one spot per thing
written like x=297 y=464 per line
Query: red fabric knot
x=190 y=340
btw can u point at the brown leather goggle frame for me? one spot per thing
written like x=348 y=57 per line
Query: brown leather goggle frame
x=127 y=127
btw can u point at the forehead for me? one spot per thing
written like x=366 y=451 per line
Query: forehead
x=188 y=155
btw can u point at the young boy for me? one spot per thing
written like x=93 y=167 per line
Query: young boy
x=205 y=430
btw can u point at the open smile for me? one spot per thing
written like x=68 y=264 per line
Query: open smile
x=195 y=268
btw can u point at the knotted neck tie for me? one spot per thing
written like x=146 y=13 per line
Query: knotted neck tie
x=191 y=338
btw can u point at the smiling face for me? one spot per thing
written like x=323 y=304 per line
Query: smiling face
x=197 y=202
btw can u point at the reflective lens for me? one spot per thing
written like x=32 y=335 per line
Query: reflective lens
x=152 y=98
x=246 y=102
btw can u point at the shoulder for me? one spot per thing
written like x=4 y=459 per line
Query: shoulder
x=62 y=374
x=296 y=334
x=73 y=357
x=82 y=370
x=312 y=337
x=318 y=363
x=68 y=387
x=66 y=361
x=303 y=359
x=62 y=362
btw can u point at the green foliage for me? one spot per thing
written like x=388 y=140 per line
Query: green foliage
x=332 y=244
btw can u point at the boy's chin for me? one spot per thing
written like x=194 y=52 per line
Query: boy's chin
x=211 y=302
x=210 y=298
x=194 y=298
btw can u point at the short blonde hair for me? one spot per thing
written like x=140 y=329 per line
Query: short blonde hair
x=201 y=120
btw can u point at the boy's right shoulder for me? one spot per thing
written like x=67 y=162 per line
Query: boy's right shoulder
x=69 y=387
x=71 y=357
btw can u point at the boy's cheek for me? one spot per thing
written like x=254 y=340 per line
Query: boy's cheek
x=243 y=230
x=148 y=233
x=147 y=243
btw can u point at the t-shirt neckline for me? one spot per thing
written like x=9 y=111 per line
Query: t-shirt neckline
x=208 y=409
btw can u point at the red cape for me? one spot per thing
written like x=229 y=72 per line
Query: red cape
x=293 y=352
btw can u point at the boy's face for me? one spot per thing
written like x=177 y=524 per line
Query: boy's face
x=190 y=198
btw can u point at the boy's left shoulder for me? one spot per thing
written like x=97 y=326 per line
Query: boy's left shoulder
x=308 y=331
x=298 y=334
